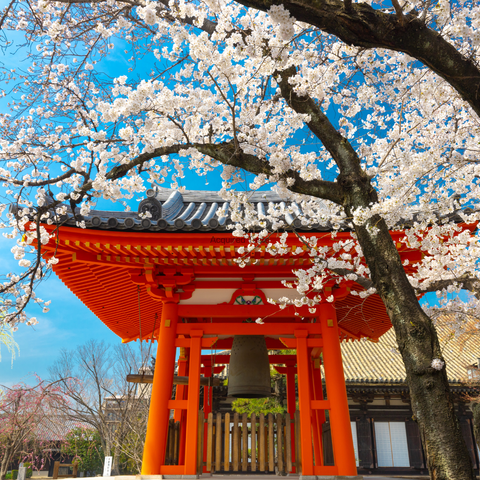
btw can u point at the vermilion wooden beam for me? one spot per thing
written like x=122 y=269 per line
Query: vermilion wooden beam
x=205 y=342
x=242 y=311
x=273 y=359
x=249 y=328
x=311 y=342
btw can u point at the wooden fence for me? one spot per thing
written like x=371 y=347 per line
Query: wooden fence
x=239 y=443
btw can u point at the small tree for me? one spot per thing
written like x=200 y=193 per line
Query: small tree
x=22 y=410
x=85 y=446
x=101 y=397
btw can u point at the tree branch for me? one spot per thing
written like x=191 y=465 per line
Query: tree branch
x=339 y=147
x=227 y=154
x=466 y=282
x=366 y=27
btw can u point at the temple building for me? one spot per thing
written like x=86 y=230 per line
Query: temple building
x=169 y=274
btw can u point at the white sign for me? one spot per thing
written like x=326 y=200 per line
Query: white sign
x=107 y=467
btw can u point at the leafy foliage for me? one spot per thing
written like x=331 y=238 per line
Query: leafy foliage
x=257 y=405
x=84 y=445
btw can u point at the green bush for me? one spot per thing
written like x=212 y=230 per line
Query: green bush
x=29 y=469
x=13 y=475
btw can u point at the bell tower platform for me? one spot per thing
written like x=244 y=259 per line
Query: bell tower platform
x=178 y=260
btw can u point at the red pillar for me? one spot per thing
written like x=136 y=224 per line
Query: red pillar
x=317 y=438
x=337 y=393
x=157 y=429
x=304 y=402
x=208 y=391
x=291 y=402
x=182 y=394
x=193 y=402
x=318 y=389
x=207 y=406
x=181 y=389
x=318 y=395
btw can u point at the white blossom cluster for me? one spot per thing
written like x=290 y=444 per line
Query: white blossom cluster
x=437 y=364
x=200 y=76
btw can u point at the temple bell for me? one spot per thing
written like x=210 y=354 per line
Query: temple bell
x=249 y=372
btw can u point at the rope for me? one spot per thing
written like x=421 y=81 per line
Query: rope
x=151 y=338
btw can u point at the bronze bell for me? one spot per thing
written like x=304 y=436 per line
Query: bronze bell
x=249 y=370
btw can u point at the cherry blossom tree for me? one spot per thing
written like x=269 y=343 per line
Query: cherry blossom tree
x=363 y=115
x=23 y=409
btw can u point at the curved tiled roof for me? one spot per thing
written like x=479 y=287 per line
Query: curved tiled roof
x=169 y=210
x=380 y=362
x=196 y=210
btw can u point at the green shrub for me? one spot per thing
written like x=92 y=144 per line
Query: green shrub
x=29 y=469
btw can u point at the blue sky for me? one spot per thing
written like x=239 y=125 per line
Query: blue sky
x=69 y=323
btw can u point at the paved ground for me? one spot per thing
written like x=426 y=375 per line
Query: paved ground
x=269 y=477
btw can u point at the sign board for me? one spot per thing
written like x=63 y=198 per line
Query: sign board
x=22 y=473
x=107 y=467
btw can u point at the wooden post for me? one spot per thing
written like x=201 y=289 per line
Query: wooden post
x=280 y=443
x=236 y=443
x=226 y=464
x=218 y=442
x=244 y=442
x=304 y=402
x=261 y=442
x=209 y=442
x=253 y=423
x=271 y=444
x=157 y=429
x=56 y=467
x=170 y=442
x=177 y=442
x=337 y=393
x=298 y=458
x=193 y=402
x=288 y=443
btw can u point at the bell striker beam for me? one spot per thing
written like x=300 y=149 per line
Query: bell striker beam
x=342 y=440
x=157 y=428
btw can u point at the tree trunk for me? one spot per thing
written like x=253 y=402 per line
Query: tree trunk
x=4 y=464
x=432 y=403
x=115 y=461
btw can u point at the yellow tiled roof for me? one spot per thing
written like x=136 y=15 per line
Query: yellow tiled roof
x=369 y=362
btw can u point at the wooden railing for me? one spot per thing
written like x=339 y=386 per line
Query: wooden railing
x=59 y=470
x=239 y=443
